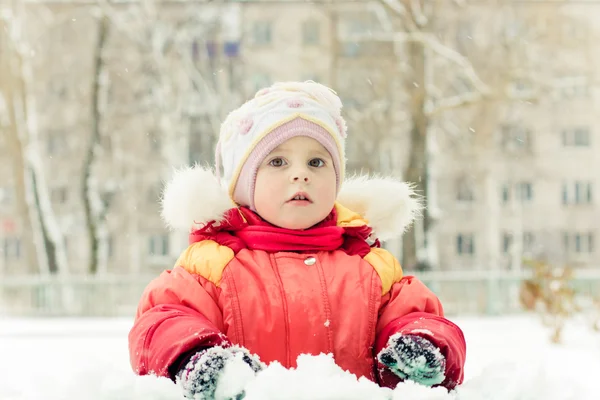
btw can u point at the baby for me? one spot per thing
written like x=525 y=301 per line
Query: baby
x=285 y=259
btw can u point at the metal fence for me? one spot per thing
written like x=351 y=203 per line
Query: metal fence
x=99 y=296
x=475 y=293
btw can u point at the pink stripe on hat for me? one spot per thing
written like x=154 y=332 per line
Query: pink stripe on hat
x=243 y=193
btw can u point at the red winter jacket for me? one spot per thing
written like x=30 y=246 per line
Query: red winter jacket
x=343 y=297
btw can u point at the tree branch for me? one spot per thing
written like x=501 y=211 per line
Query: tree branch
x=433 y=44
x=453 y=102
x=417 y=12
x=469 y=98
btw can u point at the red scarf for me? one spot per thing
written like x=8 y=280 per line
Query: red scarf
x=243 y=229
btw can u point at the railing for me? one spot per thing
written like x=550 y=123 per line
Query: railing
x=461 y=292
x=494 y=292
x=99 y=296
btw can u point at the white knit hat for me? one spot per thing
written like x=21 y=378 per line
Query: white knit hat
x=274 y=115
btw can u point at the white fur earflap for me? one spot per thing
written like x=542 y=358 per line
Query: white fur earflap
x=388 y=204
x=193 y=196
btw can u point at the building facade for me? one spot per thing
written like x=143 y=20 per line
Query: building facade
x=521 y=184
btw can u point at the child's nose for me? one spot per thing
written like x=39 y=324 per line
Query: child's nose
x=300 y=177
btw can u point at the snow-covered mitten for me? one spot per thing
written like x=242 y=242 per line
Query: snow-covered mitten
x=200 y=376
x=414 y=358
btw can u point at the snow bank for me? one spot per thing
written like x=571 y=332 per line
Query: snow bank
x=507 y=359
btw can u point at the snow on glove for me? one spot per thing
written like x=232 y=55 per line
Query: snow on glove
x=414 y=358
x=199 y=378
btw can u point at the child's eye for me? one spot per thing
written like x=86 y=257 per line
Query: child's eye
x=316 y=162
x=277 y=162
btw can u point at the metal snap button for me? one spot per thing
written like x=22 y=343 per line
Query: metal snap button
x=310 y=261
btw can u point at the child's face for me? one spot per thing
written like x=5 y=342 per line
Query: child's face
x=302 y=166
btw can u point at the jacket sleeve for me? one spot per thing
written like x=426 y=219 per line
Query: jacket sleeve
x=177 y=316
x=411 y=308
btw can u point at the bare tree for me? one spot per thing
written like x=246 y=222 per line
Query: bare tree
x=430 y=62
x=172 y=86
x=496 y=144
x=95 y=206
x=22 y=128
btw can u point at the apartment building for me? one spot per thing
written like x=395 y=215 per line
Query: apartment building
x=527 y=187
x=530 y=188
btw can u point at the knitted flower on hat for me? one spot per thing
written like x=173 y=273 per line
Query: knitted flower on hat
x=274 y=115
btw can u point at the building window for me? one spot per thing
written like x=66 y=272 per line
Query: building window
x=350 y=49
x=578 y=91
x=310 y=32
x=154 y=141
x=6 y=195
x=464 y=190
x=11 y=248
x=203 y=48
x=59 y=89
x=578 y=192
x=520 y=85
x=461 y=85
x=261 y=32
x=571 y=87
x=260 y=81
x=106 y=142
x=576 y=137
x=211 y=49
x=513 y=30
x=578 y=243
x=195 y=50
x=358 y=25
x=56 y=143
x=505 y=193
x=515 y=137
x=464 y=36
x=574 y=31
x=528 y=242
x=201 y=140
x=522 y=191
x=465 y=244
x=507 y=242
x=110 y=246
x=158 y=245
x=231 y=49
x=59 y=195
x=154 y=193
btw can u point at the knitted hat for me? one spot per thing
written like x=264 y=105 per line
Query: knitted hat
x=276 y=114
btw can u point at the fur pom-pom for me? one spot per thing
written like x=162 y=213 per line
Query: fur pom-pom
x=193 y=196
x=389 y=204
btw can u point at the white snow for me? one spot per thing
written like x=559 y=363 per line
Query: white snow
x=508 y=358
x=237 y=375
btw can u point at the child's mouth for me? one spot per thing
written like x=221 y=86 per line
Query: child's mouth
x=300 y=198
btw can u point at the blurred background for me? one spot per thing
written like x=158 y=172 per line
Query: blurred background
x=489 y=107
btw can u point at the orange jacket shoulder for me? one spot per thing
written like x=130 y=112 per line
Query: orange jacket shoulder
x=387 y=267
x=348 y=218
x=207 y=259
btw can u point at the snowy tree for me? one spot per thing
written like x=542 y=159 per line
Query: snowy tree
x=498 y=136
x=95 y=205
x=162 y=81
x=454 y=56
x=20 y=123
x=140 y=76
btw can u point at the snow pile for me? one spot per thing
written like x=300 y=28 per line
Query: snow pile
x=507 y=359
x=315 y=378
x=319 y=378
